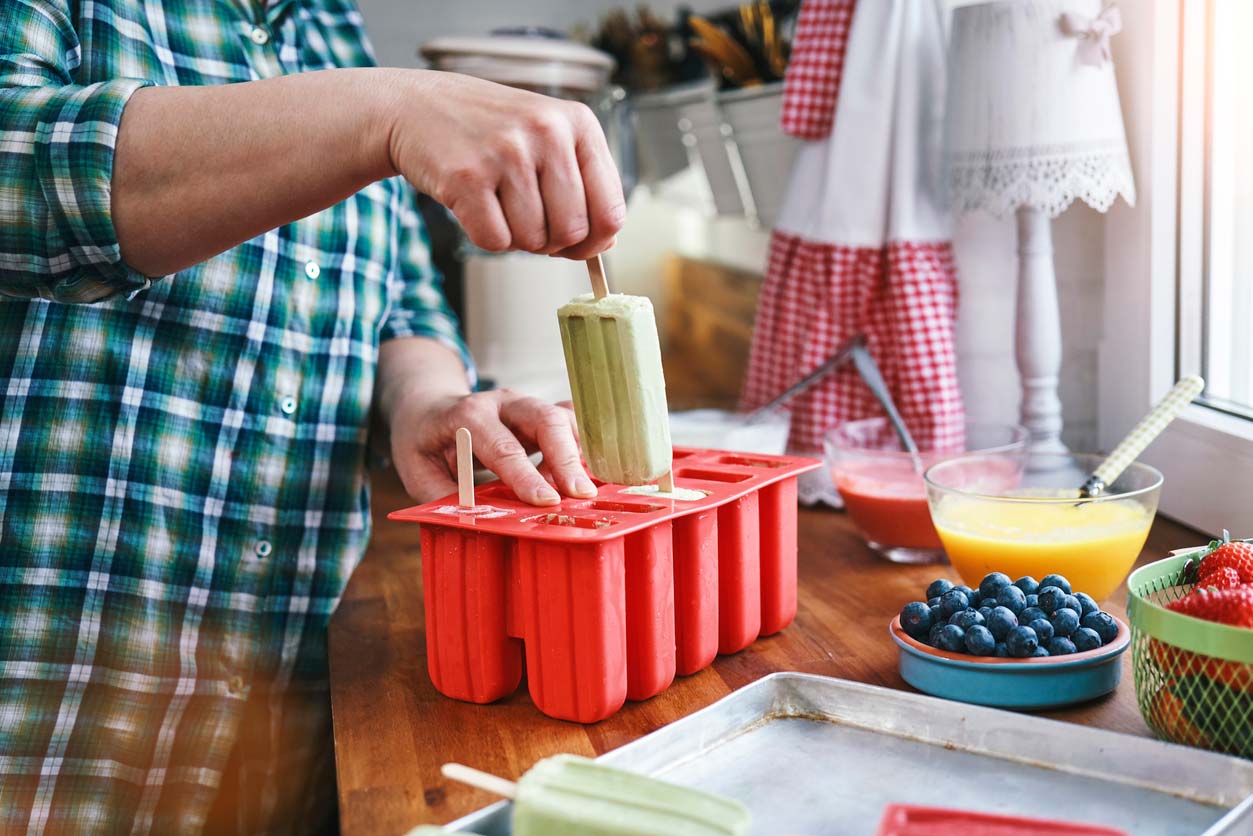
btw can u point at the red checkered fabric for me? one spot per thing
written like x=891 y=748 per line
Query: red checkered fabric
x=811 y=84
x=902 y=296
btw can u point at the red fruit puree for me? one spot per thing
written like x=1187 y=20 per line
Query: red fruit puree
x=888 y=503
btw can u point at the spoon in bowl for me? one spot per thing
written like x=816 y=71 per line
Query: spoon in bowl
x=1141 y=435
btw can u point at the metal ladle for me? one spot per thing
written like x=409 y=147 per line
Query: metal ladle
x=855 y=350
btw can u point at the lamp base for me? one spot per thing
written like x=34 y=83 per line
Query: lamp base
x=1038 y=333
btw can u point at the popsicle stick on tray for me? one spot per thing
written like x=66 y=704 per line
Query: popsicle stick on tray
x=608 y=598
x=817 y=755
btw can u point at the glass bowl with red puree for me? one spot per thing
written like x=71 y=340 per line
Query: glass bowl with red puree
x=882 y=485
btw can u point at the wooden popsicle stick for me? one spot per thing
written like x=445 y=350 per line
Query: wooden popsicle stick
x=596 y=270
x=478 y=778
x=666 y=483
x=465 y=469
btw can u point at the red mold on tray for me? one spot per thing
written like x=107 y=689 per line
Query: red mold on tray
x=909 y=820
x=607 y=599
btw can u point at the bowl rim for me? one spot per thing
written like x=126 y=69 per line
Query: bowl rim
x=1158 y=481
x=1024 y=438
x=907 y=642
x=1196 y=635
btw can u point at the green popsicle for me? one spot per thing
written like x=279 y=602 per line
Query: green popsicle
x=571 y=795
x=613 y=359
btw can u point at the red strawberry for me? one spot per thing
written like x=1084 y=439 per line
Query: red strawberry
x=1226 y=606
x=1225 y=577
x=1237 y=555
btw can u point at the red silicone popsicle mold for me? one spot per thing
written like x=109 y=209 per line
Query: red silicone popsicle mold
x=607 y=599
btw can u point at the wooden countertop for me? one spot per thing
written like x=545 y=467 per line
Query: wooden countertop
x=393 y=730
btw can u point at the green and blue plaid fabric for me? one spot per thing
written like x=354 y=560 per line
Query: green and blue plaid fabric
x=183 y=490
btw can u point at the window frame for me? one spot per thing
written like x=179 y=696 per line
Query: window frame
x=1154 y=273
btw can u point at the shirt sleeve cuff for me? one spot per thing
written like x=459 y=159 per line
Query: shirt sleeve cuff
x=76 y=140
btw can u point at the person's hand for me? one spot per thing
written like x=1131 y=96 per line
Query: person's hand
x=521 y=171
x=506 y=428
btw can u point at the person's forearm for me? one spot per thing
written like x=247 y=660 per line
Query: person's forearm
x=198 y=170
x=416 y=370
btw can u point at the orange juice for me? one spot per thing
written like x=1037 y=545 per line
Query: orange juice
x=1093 y=544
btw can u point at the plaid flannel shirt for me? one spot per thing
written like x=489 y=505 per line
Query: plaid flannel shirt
x=183 y=490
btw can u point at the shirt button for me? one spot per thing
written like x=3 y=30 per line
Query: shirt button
x=263 y=548
x=259 y=36
x=312 y=270
x=235 y=684
x=288 y=405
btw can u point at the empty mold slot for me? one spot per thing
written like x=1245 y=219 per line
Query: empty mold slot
x=710 y=475
x=569 y=520
x=497 y=490
x=745 y=462
x=624 y=507
x=680 y=454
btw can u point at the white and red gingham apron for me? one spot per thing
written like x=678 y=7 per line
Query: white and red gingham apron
x=862 y=242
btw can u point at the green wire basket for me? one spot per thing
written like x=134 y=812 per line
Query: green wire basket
x=1194 y=678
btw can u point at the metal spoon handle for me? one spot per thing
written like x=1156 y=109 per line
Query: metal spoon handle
x=832 y=363
x=869 y=372
x=1150 y=426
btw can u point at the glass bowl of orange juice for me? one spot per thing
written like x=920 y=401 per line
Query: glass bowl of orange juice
x=882 y=488
x=1038 y=525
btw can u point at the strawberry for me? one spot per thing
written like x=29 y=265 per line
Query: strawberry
x=1226 y=606
x=1237 y=555
x=1225 y=577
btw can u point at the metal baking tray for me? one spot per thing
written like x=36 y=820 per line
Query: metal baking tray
x=815 y=755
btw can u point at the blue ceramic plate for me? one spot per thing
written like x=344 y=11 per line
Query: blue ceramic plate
x=1046 y=682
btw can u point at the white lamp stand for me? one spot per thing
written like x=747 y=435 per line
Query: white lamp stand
x=1038 y=332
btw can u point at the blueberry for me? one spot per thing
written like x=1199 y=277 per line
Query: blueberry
x=1030 y=614
x=1072 y=603
x=1028 y=584
x=1002 y=651
x=1022 y=642
x=933 y=635
x=1103 y=624
x=1043 y=629
x=1065 y=621
x=966 y=619
x=979 y=641
x=933 y=602
x=1001 y=621
x=936 y=618
x=1033 y=600
x=1085 y=638
x=938 y=587
x=1041 y=651
x=1058 y=581
x=916 y=619
x=970 y=593
x=1052 y=599
x=1012 y=598
x=952 y=602
x=992 y=583
x=1087 y=603
x=990 y=603
x=952 y=639
x=1060 y=646
x=985 y=612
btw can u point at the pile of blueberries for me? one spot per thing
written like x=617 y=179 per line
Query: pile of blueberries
x=1006 y=618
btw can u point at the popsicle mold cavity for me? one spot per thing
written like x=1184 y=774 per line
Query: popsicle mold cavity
x=572 y=795
x=680 y=494
x=613 y=359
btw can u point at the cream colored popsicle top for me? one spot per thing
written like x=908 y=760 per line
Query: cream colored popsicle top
x=568 y=795
x=613 y=359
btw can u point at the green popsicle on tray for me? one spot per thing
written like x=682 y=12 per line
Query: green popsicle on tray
x=567 y=794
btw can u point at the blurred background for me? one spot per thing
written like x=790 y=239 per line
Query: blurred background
x=702 y=267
